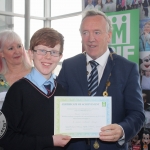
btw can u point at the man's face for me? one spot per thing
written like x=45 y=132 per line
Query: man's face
x=95 y=37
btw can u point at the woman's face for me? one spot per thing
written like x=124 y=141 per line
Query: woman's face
x=13 y=53
x=147 y=28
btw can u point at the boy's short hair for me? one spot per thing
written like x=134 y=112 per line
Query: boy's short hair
x=47 y=37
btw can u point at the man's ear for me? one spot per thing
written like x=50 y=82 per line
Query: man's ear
x=109 y=37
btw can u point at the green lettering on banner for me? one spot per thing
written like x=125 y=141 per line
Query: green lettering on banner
x=118 y=32
x=125 y=38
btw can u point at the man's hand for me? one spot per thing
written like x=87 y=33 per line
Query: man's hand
x=111 y=133
x=61 y=140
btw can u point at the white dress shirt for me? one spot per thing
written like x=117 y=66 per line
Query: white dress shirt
x=102 y=63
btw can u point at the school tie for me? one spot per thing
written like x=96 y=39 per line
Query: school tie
x=93 y=78
x=47 y=87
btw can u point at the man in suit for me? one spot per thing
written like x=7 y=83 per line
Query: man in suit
x=117 y=77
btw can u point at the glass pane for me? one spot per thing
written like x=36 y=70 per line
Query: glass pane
x=37 y=8
x=13 y=23
x=19 y=28
x=19 y=6
x=35 y=25
x=6 y=5
x=71 y=35
x=6 y=22
x=61 y=7
x=2 y=5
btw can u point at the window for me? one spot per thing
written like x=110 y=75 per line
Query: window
x=35 y=25
x=19 y=6
x=19 y=27
x=37 y=8
x=62 y=15
x=69 y=27
x=61 y=7
x=3 y=23
x=2 y=5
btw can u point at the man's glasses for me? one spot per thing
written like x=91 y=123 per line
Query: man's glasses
x=43 y=52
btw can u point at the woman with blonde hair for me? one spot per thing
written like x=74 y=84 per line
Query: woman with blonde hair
x=14 y=61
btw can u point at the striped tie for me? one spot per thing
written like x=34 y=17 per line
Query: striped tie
x=93 y=78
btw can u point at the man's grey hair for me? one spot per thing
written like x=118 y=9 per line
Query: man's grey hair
x=95 y=13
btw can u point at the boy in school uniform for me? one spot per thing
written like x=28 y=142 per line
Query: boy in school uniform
x=29 y=103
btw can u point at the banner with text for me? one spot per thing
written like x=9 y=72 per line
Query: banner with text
x=125 y=38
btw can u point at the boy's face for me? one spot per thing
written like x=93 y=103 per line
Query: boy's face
x=45 y=64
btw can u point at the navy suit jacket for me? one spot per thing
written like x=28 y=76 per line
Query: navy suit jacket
x=127 y=102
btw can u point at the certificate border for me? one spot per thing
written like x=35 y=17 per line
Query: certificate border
x=106 y=102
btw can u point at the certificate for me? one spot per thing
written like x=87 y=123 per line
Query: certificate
x=81 y=117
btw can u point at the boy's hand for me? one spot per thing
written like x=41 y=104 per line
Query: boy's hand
x=61 y=140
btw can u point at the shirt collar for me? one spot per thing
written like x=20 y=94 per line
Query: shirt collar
x=101 y=60
x=42 y=80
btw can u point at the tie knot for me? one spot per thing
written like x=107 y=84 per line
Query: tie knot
x=93 y=63
x=47 y=86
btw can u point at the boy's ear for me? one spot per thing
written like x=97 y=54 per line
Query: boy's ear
x=61 y=56
x=30 y=52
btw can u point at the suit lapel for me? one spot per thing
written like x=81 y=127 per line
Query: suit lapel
x=109 y=66
x=82 y=74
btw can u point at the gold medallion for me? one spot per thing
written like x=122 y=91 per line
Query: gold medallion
x=96 y=145
x=105 y=93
